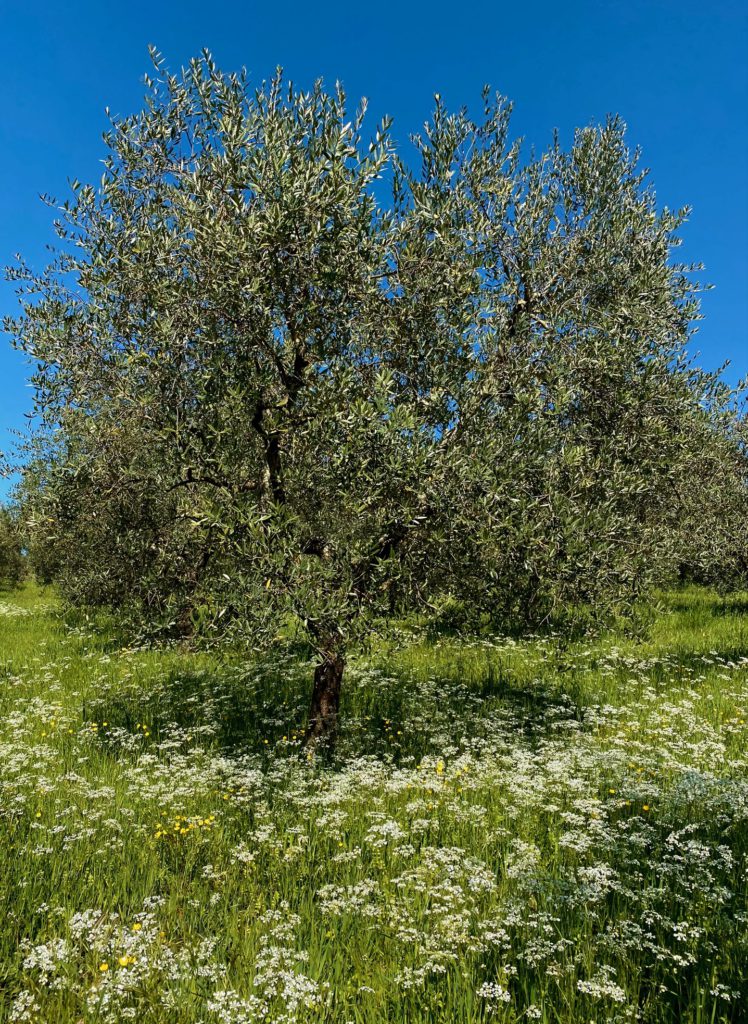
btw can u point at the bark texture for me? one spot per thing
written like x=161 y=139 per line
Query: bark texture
x=325 y=707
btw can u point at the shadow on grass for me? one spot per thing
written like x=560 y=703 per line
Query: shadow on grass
x=229 y=706
x=410 y=714
x=398 y=708
x=394 y=707
x=708 y=603
x=386 y=712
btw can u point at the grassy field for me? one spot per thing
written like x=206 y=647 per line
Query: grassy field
x=511 y=830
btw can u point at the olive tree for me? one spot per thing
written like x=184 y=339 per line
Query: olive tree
x=11 y=552
x=286 y=376
x=711 y=540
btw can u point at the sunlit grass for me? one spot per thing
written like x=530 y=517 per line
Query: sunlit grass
x=511 y=829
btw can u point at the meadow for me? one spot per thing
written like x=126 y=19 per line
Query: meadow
x=510 y=829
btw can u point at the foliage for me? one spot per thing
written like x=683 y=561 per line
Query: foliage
x=511 y=830
x=713 y=493
x=12 y=563
x=270 y=395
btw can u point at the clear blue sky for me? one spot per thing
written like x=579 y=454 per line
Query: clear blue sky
x=676 y=70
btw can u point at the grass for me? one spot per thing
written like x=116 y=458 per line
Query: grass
x=510 y=830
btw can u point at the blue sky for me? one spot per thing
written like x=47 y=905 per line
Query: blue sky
x=676 y=71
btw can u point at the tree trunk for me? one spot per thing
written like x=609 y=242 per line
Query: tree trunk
x=323 y=713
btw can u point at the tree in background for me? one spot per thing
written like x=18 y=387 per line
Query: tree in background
x=712 y=532
x=271 y=395
x=12 y=564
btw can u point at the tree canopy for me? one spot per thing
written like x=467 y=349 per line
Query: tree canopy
x=286 y=374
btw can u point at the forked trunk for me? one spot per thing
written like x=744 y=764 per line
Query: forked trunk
x=323 y=713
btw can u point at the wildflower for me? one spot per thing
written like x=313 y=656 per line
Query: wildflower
x=104 y=967
x=492 y=992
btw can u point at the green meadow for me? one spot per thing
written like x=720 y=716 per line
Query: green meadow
x=530 y=828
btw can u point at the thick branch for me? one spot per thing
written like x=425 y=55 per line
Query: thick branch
x=273 y=478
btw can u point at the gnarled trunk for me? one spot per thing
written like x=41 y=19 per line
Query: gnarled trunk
x=323 y=713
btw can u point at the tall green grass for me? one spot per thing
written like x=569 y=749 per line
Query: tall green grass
x=510 y=829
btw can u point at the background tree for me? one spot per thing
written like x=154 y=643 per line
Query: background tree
x=711 y=539
x=269 y=395
x=12 y=565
